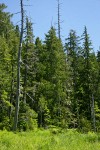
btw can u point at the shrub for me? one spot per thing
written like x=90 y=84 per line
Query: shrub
x=85 y=125
x=27 y=118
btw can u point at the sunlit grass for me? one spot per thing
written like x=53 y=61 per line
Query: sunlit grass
x=49 y=140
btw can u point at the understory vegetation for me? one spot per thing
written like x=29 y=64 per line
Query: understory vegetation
x=53 y=139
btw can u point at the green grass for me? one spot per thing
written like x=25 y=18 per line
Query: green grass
x=49 y=140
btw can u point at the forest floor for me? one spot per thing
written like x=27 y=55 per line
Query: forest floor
x=49 y=140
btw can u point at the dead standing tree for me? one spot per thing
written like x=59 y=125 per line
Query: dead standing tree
x=18 y=69
x=59 y=28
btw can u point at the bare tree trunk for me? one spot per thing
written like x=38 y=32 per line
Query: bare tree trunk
x=18 y=69
x=25 y=62
x=59 y=28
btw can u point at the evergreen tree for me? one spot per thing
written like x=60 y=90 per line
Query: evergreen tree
x=72 y=48
x=8 y=49
x=55 y=76
x=56 y=85
x=87 y=79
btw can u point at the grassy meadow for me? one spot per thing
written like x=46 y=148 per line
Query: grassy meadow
x=49 y=140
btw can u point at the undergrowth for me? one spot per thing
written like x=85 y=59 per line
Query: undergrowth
x=52 y=139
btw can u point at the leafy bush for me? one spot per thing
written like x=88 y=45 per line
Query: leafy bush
x=85 y=125
x=27 y=118
x=5 y=124
x=92 y=137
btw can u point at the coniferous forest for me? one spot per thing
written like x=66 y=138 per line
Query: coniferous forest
x=47 y=83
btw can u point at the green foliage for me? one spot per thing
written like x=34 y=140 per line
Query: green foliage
x=27 y=118
x=44 y=111
x=46 y=140
x=5 y=124
x=85 y=125
x=92 y=137
x=59 y=86
x=97 y=115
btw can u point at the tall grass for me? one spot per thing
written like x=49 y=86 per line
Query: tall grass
x=49 y=140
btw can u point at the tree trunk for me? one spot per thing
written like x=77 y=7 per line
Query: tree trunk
x=26 y=69
x=59 y=28
x=18 y=70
